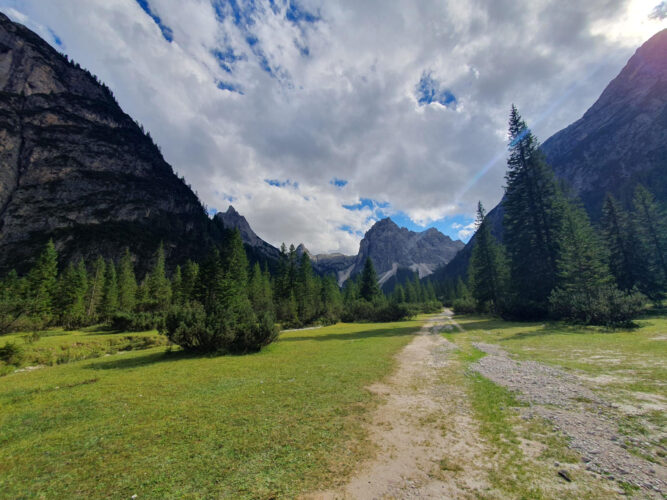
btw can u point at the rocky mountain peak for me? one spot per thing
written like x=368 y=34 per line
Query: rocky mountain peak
x=391 y=247
x=75 y=168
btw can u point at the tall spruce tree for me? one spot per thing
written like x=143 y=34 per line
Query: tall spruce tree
x=533 y=219
x=127 y=284
x=369 y=289
x=73 y=288
x=95 y=289
x=43 y=283
x=159 y=288
x=652 y=232
x=110 y=300
x=487 y=270
x=625 y=262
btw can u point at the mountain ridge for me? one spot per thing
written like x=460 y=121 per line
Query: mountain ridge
x=620 y=141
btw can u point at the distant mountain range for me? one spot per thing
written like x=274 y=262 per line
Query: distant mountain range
x=619 y=142
x=391 y=248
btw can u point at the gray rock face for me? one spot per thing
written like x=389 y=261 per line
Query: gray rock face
x=619 y=142
x=231 y=219
x=75 y=168
x=391 y=247
x=622 y=139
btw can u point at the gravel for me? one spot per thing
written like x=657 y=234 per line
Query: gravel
x=586 y=419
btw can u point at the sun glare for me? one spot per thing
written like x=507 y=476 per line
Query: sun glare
x=635 y=26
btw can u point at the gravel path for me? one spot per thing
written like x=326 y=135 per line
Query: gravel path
x=587 y=420
x=406 y=430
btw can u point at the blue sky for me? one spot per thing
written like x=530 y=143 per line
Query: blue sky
x=295 y=110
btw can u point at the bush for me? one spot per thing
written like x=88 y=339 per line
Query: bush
x=136 y=322
x=12 y=354
x=609 y=306
x=192 y=328
x=464 y=305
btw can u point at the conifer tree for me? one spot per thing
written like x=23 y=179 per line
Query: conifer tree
x=582 y=272
x=487 y=267
x=95 y=289
x=190 y=275
x=43 y=283
x=369 y=289
x=625 y=262
x=159 y=289
x=652 y=231
x=177 y=287
x=12 y=302
x=73 y=288
x=110 y=299
x=127 y=284
x=533 y=214
x=305 y=290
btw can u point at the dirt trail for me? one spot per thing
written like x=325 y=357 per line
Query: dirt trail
x=418 y=426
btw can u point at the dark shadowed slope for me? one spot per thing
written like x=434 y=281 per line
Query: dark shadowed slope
x=74 y=167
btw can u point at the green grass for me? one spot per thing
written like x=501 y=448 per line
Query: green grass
x=634 y=358
x=169 y=425
x=624 y=366
x=56 y=346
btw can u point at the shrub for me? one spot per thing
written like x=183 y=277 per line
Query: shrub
x=609 y=306
x=464 y=305
x=136 y=322
x=192 y=328
x=12 y=354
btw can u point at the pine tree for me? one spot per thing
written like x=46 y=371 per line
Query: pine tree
x=127 y=284
x=159 y=289
x=487 y=267
x=190 y=276
x=533 y=214
x=110 y=299
x=652 y=232
x=43 y=283
x=369 y=289
x=306 y=291
x=177 y=287
x=586 y=291
x=12 y=302
x=95 y=289
x=625 y=262
x=73 y=288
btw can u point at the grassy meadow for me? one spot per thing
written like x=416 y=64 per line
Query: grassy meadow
x=162 y=424
x=625 y=366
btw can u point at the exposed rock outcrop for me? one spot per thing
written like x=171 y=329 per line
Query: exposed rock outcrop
x=74 y=167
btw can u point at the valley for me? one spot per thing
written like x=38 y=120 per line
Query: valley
x=367 y=336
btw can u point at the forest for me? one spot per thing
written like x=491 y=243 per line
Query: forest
x=553 y=262
x=222 y=304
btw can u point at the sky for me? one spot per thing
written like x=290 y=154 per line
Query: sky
x=318 y=117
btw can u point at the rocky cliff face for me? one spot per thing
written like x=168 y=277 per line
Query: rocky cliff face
x=622 y=139
x=391 y=248
x=74 y=167
x=619 y=142
x=231 y=219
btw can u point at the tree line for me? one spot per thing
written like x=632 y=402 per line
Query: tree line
x=219 y=304
x=553 y=262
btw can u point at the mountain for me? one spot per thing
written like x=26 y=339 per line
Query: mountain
x=75 y=168
x=619 y=142
x=231 y=219
x=392 y=248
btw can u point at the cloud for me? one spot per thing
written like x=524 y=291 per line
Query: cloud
x=320 y=93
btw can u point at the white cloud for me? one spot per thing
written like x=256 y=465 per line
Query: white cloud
x=340 y=100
